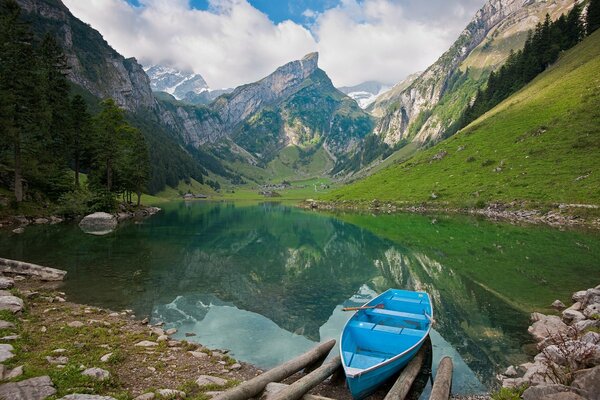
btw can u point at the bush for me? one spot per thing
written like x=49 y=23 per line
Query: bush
x=509 y=393
x=103 y=201
x=75 y=203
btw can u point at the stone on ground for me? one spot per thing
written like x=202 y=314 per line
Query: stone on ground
x=205 y=380
x=75 y=324
x=98 y=374
x=31 y=389
x=146 y=343
x=588 y=380
x=547 y=326
x=86 y=397
x=198 y=354
x=544 y=392
x=559 y=305
x=6 y=352
x=171 y=393
x=146 y=396
x=11 y=303
x=6 y=283
x=6 y=325
x=57 y=360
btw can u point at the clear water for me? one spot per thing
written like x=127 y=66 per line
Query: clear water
x=268 y=281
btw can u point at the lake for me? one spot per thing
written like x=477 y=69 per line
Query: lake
x=269 y=281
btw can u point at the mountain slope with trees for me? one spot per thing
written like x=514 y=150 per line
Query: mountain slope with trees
x=540 y=145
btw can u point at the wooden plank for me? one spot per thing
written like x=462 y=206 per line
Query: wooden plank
x=275 y=387
x=255 y=386
x=443 y=380
x=299 y=388
x=407 y=377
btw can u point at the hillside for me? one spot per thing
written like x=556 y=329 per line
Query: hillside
x=422 y=111
x=540 y=145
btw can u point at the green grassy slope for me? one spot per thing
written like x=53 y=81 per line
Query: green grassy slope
x=541 y=144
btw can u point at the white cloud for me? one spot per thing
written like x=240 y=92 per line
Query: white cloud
x=234 y=43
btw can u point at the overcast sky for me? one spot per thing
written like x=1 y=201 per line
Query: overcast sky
x=232 y=42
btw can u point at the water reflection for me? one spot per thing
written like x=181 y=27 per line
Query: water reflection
x=268 y=281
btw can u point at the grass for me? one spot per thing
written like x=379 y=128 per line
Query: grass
x=540 y=145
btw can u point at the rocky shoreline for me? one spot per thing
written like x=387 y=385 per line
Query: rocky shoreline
x=561 y=215
x=568 y=363
x=99 y=220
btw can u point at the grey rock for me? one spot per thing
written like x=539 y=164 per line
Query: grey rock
x=162 y=338
x=575 y=306
x=32 y=270
x=106 y=357
x=98 y=374
x=99 y=223
x=579 y=296
x=11 y=303
x=14 y=373
x=146 y=343
x=10 y=337
x=30 y=389
x=536 y=316
x=198 y=354
x=171 y=331
x=559 y=305
x=19 y=230
x=171 y=393
x=591 y=338
x=6 y=283
x=41 y=221
x=6 y=352
x=205 y=380
x=511 y=372
x=572 y=316
x=546 y=327
x=6 y=325
x=75 y=324
x=513 y=382
x=146 y=396
x=592 y=309
x=157 y=331
x=588 y=380
x=86 y=397
x=586 y=324
x=543 y=392
x=235 y=367
x=60 y=360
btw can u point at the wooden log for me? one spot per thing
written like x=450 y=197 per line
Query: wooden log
x=407 y=377
x=443 y=380
x=33 y=270
x=275 y=387
x=299 y=388
x=255 y=386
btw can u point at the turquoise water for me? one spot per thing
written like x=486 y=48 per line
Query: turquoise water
x=267 y=282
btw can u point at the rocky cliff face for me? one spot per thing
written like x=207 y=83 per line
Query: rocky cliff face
x=93 y=64
x=499 y=26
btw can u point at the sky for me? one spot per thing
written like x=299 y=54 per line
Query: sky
x=233 y=42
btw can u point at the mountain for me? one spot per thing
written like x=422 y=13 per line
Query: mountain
x=540 y=145
x=295 y=106
x=174 y=82
x=421 y=111
x=365 y=93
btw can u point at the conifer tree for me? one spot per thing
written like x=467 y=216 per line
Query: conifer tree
x=18 y=102
x=593 y=16
x=79 y=133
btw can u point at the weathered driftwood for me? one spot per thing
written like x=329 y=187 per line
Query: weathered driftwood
x=443 y=380
x=255 y=386
x=33 y=270
x=407 y=377
x=299 y=388
x=275 y=387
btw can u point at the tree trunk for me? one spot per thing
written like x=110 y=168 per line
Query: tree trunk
x=77 y=171
x=108 y=175
x=18 y=173
x=139 y=198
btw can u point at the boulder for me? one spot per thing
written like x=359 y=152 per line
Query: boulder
x=205 y=380
x=146 y=396
x=591 y=337
x=41 y=221
x=31 y=389
x=171 y=331
x=592 y=309
x=589 y=381
x=546 y=327
x=19 y=230
x=86 y=397
x=586 y=324
x=575 y=306
x=99 y=223
x=6 y=352
x=98 y=374
x=14 y=373
x=146 y=343
x=6 y=283
x=32 y=270
x=537 y=373
x=579 y=296
x=198 y=354
x=11 y=303
x=171 y=393
x=558 y=305
x=6 y=325
x=558 y=392
x=572 y=316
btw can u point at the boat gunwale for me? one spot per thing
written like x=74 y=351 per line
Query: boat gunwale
x=389 y=360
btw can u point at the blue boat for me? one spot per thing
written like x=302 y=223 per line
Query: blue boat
x=382 y=337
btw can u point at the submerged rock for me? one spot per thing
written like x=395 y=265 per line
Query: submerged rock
x=99 y=223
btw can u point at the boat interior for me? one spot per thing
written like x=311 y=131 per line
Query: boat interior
x=377 y=334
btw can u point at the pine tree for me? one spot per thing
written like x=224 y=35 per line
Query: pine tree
x=79 y=133
x=593 y=16
x=18 y=87
x=107 y=142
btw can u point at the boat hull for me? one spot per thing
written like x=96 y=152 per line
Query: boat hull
x=381 y=339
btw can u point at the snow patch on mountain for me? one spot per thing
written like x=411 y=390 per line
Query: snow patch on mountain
x=177 y=83
x=365 y=93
